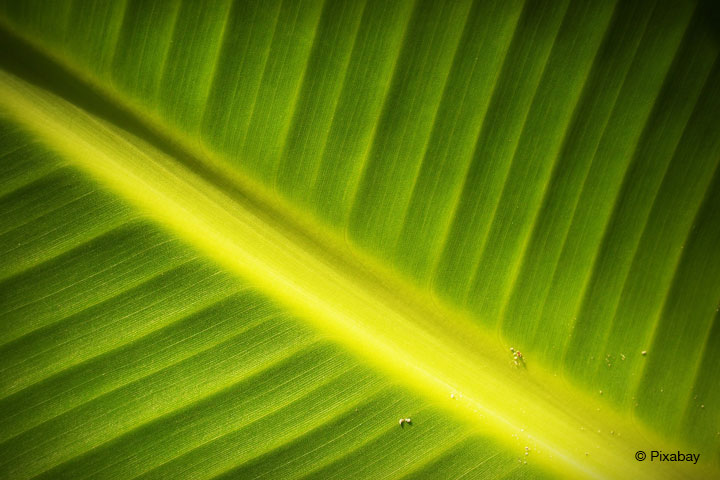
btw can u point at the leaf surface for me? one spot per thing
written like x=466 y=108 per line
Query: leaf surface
x=243 y=239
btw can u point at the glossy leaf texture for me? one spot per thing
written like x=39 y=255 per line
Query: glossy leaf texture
x=243 y=238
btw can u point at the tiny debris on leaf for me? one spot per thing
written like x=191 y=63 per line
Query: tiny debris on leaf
x=517 y=357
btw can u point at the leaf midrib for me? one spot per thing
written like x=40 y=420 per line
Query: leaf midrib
x=348 y=296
